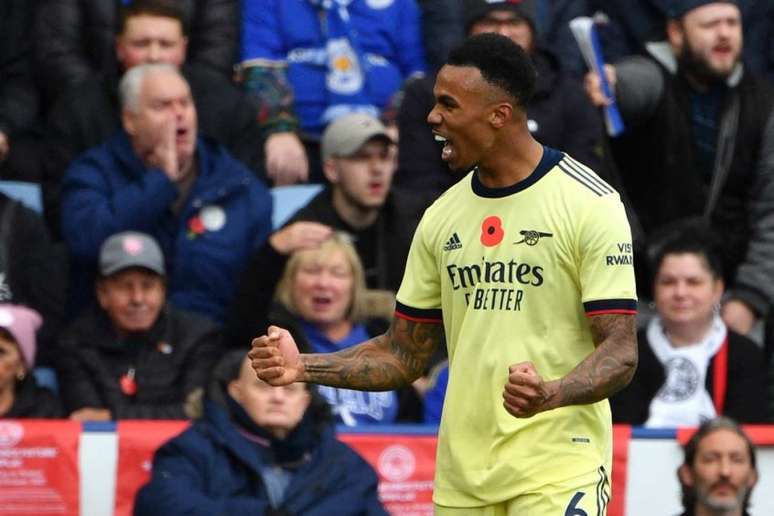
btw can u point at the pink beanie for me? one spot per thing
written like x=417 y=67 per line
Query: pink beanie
x=22 y=323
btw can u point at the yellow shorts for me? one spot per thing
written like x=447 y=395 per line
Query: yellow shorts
x=587 y=495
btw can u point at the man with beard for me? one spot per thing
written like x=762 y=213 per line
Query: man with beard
x=718 y=473
x=700 y=143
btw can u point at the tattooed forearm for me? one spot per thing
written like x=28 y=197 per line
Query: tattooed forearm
x=382 y=363
x=609 y=368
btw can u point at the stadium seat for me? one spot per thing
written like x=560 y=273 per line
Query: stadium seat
x=289 y=199
x=27 y=193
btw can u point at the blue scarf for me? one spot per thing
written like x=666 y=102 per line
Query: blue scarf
x=345 y=77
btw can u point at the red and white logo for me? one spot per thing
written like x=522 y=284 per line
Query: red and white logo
x=397 y=463
x=492 y=231
x=132 y=245
x=10 y=434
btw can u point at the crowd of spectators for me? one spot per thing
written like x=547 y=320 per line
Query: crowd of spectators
x=156 y=129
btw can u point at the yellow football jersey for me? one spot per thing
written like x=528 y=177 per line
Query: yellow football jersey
x=513 y=273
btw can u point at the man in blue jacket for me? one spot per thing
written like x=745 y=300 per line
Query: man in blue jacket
x=156 y=175
x=259 y=450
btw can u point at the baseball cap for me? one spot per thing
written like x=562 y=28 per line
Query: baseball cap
x=345 y=135
x=476 y=9
x=130 y=249
x=22 y=323
x=678 y=8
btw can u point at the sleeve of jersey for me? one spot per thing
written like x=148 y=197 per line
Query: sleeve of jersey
x=606 y=259
x=419 y=295
x=262 y=34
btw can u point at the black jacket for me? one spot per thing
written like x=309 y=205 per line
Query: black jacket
x=219 y=467
x=33 y=401
x=746 y=386
x=75 y=39
x=171 y=361
x=88 y=114
x=18 y=94
x=664 y=183
x=560 y=116
x=33 y=270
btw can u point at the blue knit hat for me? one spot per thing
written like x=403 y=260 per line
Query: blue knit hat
x=678 y=8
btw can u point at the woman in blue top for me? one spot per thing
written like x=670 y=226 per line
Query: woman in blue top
x=324 y=291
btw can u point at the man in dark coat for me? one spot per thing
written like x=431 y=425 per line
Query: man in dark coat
x=33 y=270
x=699 y=143
x=20 y=109
x=259 y=450
x=136 y=356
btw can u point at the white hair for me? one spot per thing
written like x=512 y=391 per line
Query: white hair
x=131 y=82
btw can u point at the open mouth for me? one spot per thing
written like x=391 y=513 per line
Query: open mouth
x=722 y=50
x=448 y=150
x=321 y=301
x=375 y=187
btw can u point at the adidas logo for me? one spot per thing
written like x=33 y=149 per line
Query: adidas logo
x=453 y=243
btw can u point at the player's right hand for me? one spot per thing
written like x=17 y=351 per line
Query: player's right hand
x=275 y=357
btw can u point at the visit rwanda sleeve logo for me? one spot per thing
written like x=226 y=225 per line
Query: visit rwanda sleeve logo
x=622 y=255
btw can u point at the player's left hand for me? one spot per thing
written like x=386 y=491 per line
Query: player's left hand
x=525 y=393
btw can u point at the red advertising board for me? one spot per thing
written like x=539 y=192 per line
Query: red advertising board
x=137 y=442
x=39 y=467
x=761 y=435
x=621 y=436
x=405 y=465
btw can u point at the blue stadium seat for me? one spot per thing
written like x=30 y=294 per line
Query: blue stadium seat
x=46 y=377
x=27 y=193
x=289 y=199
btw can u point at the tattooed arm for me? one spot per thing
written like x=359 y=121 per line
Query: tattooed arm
x=382 y=363
x=608 y=369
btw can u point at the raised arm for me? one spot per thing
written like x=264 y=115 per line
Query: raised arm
x=382 y=363
x=608 y=369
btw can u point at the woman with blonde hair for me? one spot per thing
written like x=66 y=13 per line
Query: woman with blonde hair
x=321 y=299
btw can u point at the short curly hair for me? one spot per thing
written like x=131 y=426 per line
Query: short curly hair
x=502 y=63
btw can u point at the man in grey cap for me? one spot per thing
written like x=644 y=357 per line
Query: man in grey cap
x=359 y=162
x=134 y=356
